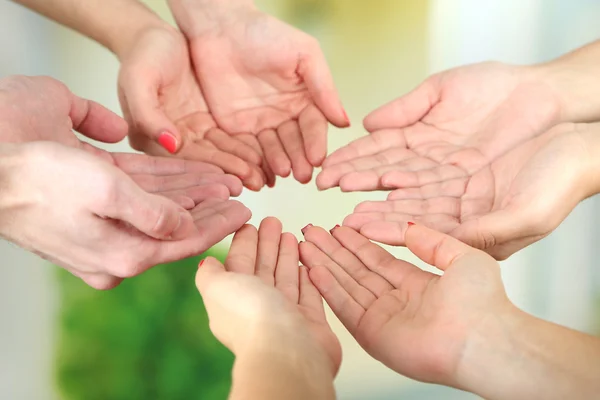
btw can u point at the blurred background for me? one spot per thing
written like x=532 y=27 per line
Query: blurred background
x=149 y=338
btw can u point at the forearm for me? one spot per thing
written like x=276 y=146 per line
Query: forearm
x=113 y=23
x=575 y=78
x=195 y=16
x=281 y=372
x=517 y=356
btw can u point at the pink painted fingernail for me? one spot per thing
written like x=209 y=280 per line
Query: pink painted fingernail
x=168 y=141
x=333 y=229
x=411 y=223
x=201 y=262
x=305 y=228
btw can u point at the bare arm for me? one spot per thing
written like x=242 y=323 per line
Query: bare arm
x=113 y=23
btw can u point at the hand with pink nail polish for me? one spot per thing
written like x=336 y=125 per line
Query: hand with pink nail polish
x=457 y=329
x=263 y=77
x=264 y=308
x=518 y=199
x=88 y=216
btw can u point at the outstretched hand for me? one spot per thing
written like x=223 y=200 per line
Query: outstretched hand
x=265 y=78
x=415 y=322
x=274 y=301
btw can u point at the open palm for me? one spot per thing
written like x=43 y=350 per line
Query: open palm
x=161 y=97
x=516 y=200
x=263 y=77
x=415 y=322
x=451 y=126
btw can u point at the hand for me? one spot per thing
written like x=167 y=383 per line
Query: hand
x=263 y=77
x=518 y=199
x=43 y=109
x=88 y=216
x=415 y=322
x=262 y=292
x=166 y=111
x=449 y=127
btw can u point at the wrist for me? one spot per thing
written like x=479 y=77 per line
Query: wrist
x=194 y=17
x=575 y=80
x=11 y=159
x=590 y=174
x=123 y=42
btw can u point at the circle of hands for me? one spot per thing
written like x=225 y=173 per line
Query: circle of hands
x=473 y=156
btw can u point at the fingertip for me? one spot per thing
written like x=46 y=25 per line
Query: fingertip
x=207 y=269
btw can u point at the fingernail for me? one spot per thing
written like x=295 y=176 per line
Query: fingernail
x=168 y=141
x=333 y=229
x=305 y=228
x=346 y=117
x=411 y=223
x=201 y=262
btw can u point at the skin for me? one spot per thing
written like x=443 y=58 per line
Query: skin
x=263 y=77
x=458 y=328
x=286 y=336
x=120 y=229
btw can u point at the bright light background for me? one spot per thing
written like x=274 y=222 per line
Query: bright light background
x=377 y=50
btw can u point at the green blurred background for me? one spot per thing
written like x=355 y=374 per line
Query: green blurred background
x=149 y=338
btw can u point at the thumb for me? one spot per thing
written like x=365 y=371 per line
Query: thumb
x=438 y=249
x=153 y=215
x=405 y=110
x=96 y=122
x=316 y=75
x=208 y=270
x=147 y=116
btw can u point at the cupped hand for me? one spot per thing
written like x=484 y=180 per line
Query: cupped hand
x=451 y=126
x=90 y=217
x=162 y=101
x=415 y=322
x=264 y=293
x=263 y=77
x=516 y=200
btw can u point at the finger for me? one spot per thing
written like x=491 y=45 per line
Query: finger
x=232 y=145
x=438 y=249
x=96 y=122
x=242 y=253
x=286 y=273
x=274 y=153
x=214 y=220
x=252 y=141
x=269 y=234
x=141 y=98
x=291 y=138
x=451 y=188
x=185 y=202
x=405 y=110
x=198 y=194
x=341 y=303
x=309 y=296
x=133 y=163
x=153 y=215
x=352 y=265
x=208 y=269
x=155 y=184
x=319 y=82
x=313 y=257
x=450 y=206
x=375 y=258
x=368 y=169
x=367 y=146
x=404 y=179
x=313 y=126
x=202 y=150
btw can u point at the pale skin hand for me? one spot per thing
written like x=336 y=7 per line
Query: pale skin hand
x=263 y=77
x=449 y=127
x=515 y=201
x=160 y=96
x=43 y=109
x=263 y=307
x=88 y=216
x=458 y=329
